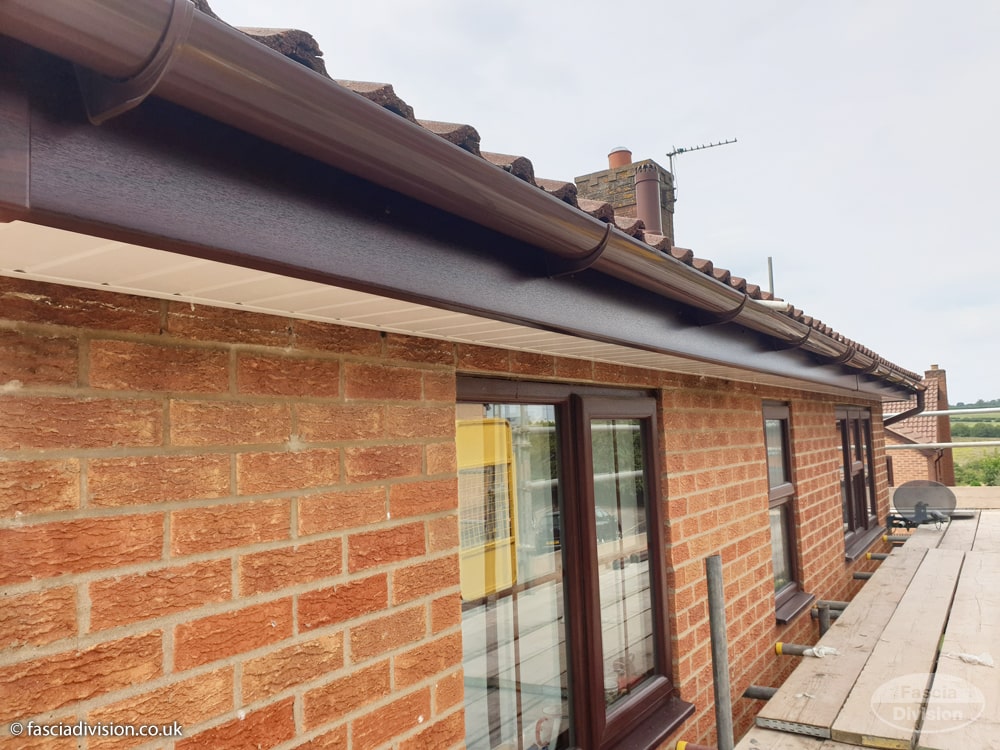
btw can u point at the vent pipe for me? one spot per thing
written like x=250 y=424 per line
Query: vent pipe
x=647 y=197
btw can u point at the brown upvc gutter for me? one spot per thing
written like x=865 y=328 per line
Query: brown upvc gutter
x=921 y=398
x=189 y=58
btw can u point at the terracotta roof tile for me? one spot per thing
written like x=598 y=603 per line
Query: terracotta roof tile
x=463 y=136
x=564 y=191
x=703 y=265
x=683 y=255
x=630 y=225
x=658 y=242
x=597 y=209
x=292 y=43
x=722 y=274
x=919 y=429
x=383 y=95
x=516 y=165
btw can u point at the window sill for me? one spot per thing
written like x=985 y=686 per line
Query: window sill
x=792 y=606
x=859 y=544
x=650 y=732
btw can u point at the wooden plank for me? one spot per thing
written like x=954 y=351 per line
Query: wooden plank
x=925 y=537
x=883 y=708
x=810 y=699
x=988 y=532
x=771 y=739
x=960 y=534
x=963 y=712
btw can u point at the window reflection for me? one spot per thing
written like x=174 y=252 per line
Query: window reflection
x=513 y=620
x=623 y=554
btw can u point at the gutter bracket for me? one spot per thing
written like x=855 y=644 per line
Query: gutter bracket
x=706 y=318
x=849 y=352
x=558 y=266
x=783 y=345
x=106 y=98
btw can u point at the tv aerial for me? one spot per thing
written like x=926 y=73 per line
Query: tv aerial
x=678 y=151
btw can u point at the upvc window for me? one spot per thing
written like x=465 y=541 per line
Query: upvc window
x=564 y=627
x=857 y=480
x=789 y=598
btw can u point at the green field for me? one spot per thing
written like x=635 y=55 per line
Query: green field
x=965 y=455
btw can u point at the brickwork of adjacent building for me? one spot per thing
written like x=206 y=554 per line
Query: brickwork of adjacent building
x=248 y=524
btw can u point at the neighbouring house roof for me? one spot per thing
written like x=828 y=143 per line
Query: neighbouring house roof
x=196 y=61
x=918 y=429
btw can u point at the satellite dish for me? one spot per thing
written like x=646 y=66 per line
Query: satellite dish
x=924 y=501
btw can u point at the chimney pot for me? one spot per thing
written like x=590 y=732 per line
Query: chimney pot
x=619 y=157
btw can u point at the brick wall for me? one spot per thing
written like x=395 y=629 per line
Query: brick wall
x=908 y=465
x=248 y=523
x=243 y=523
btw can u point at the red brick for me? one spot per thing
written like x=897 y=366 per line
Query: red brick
x=441 y=458
x=333 y=511
x=449 y=691
x=311 y=334
x=446 y=612
x=427 y=660
x=423 y=498
x=382 y=382
x=221 y=636
x=443 y=733
x=48 y=683
x=79 y=423
x=268 y=675
x=532 y=363
x=141 y=480
x=187 y=702
x=62 y=547
x=38 y=617
x=204 y=323
x=288 y=566
x=228 y=423
x=51 y=304
x=574 y=369
x=382 y=462
x=131 y=366
x=472 y=357
x=335 y=740
x=420 y=421
x=413 y=349
x=343 y=602
x=442 y=534
x=28 y=487
x=375 y=729
x=287 y=376
x=223 y=526
x=439 y=386
x=395 y=544
x=38 y=360
x=124 y=599
x=342 y=696
x=375 y=637
x=259 y=473
x=319 y=423
x=424 y=578
x=260 y=729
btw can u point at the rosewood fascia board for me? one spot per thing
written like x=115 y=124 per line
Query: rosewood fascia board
x=219 y=72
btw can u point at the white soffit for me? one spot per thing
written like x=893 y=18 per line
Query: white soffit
x=57 y=256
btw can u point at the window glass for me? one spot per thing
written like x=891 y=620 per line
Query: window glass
x=774 y=437
x=622 y=554
x=780 y=552
x=513 y=618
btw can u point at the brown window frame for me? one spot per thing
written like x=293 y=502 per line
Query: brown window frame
x=645 y=719
x=791 y=600
x=858 y=498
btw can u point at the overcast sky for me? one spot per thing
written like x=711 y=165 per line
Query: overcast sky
x=868 y=152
